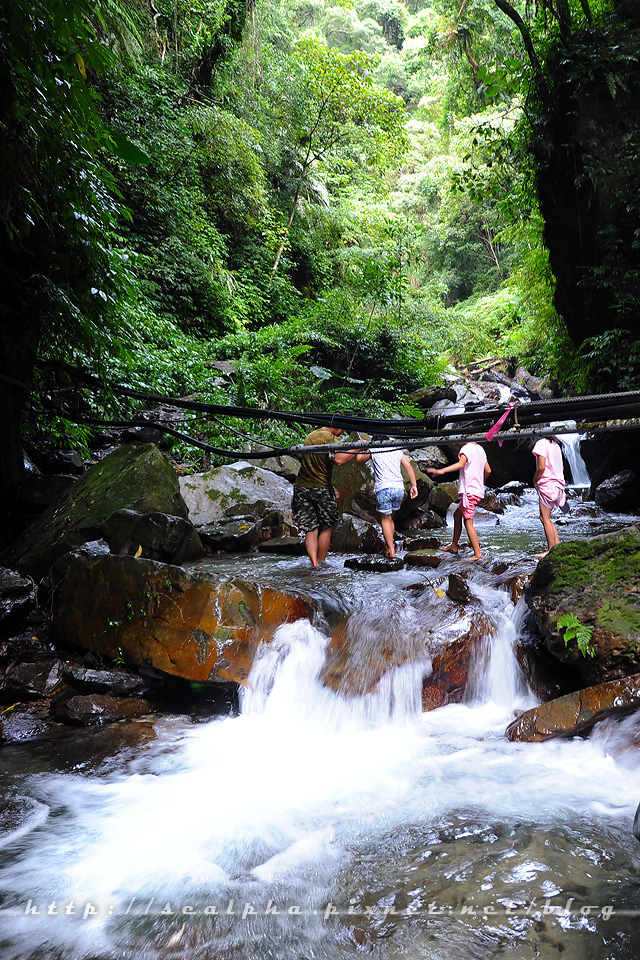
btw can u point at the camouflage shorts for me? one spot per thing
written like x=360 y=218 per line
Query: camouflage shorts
x=314 y=508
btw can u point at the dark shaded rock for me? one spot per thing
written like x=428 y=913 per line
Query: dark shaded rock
x=425 y=397
x=421 y=543
x=458 y=588
x=42 y=490
x=97 y=708
x=94 y=548
x=17 y=598
x=375 y=564
x=25 y=722
x=636 y=824
x=23 y=647
x=32 y=681
x=424 y=558
x=440 y=500
x=597 y=580
x=135 y=477
x=287 y=546
x=422 y=520
x=514 y=487
x=117 y=682
x=158 y=536
x=61 y=461
x=619 y=493
x=239 y=534
x=175 y=620
x=352 y=535
x=576 y=712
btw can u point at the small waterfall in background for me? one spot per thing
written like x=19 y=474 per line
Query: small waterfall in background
x=571 y=448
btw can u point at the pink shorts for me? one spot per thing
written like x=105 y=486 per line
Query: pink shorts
x=468 y=505
x=552 y=502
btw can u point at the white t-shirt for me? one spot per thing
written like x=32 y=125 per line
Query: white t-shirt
x=387 y=469
x=471 y=480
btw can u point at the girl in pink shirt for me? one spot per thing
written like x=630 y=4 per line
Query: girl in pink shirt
x=473 y=467
x=549 y=482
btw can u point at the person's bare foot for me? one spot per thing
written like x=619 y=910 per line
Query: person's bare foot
x=475 y=556
x=539 y=556
x=449 y=549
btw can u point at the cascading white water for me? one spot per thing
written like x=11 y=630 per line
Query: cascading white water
x=571 y=448
x=271 y=827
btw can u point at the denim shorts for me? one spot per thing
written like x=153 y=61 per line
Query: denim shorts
x=389 y=499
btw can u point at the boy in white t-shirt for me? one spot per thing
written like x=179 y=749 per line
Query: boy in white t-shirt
x=549 y=482
x=389 y=488
x=474 y=469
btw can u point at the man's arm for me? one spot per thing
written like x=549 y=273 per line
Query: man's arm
x=363 y=457
x=341 y=457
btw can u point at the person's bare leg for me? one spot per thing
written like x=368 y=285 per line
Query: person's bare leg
x=550 y=530
x=457 y=530
x=473 y=538
x=388 y=529
x=311 y=543
x=324 y=541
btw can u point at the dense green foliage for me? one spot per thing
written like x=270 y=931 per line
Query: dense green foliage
x=339 y=199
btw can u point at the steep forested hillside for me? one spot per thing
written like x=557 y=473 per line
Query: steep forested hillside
x=339 y=199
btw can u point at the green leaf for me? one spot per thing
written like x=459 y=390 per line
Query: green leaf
x=125 y=149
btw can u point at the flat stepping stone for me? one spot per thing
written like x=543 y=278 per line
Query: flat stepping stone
x=376 y=564
x=425 y=558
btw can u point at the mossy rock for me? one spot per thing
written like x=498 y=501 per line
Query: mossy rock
x=597 y=580
x=134 y=477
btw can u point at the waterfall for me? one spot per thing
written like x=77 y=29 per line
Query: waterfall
x=571 y=448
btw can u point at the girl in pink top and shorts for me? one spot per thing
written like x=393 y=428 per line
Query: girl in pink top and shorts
x=473 y=467
x=549 y=482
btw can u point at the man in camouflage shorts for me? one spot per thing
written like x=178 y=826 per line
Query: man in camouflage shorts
x=315 y=505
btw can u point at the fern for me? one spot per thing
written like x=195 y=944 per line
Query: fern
x=580 y=632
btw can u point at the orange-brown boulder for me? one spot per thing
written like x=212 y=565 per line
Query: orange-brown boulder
x=155 y=614
x=576 y=712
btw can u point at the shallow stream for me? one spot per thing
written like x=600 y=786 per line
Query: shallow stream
x=312 y=826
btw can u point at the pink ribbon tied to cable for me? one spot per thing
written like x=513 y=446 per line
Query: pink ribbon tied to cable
x=492 y=431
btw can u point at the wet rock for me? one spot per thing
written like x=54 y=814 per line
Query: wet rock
x=61 y=461
x=458 y=588
x=598 y=581
x=169 y=618
x=352 y=535
x=636 y=824
x=287 y=546
x=425 y=558
x=514 y=487
x=97 y=708
x=41 y=490
x=236 y=535
x=422 y=520
x=451 y=661
x=375 y=564
x=440 y=500
x=94 y=548
x=576 y=712
x=209 y=495
x=619 y=493
x=421 y=543
x=17 y=598
x=119 y=683
x=25 y=647
x=25 y=722
x=32 y=681
x=134 y=477
x=153 y=535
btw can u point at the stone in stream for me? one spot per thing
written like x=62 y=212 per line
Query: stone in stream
x=425 y=558
x=577 y=712
x=89 y=709
x=450 y=661
x=173 y=619
x=598 y=582
x=375 y=564
x=136 y=477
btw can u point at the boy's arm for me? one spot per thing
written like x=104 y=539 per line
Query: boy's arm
x=432 y=471
x=406 y=463
x=341 y=458
x=363 y=457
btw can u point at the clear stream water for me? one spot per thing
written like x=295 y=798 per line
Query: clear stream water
x=312 y=826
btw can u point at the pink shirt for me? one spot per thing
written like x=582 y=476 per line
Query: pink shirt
x=471 y=482
x=551 y=483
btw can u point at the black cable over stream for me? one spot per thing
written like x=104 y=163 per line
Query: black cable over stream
x=410 y=433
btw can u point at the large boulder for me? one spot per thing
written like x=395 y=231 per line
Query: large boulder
x=597 y=580
x=177 y=621
x=619 y=493
x=209 y=496
x=576 y=712
x=134 y=477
